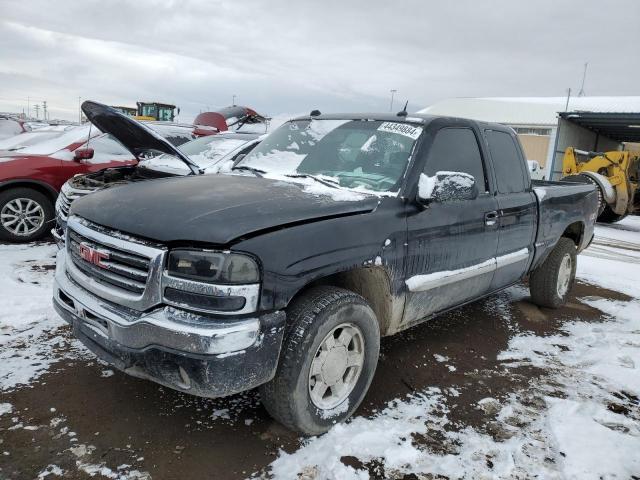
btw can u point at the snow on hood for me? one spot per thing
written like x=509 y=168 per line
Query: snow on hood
x=211 y=208
x=78 y=134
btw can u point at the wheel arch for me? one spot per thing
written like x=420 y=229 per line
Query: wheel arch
x=42 y=187
x=575 y=232
x=374 y=285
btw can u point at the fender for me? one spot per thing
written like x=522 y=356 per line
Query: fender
x=26 y=182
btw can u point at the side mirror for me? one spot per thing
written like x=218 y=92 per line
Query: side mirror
x=80 y=154
x=446 y=186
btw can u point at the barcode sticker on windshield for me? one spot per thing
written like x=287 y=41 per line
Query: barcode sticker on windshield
x=401 y=129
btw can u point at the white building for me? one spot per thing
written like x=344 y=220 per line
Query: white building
x=547 y=125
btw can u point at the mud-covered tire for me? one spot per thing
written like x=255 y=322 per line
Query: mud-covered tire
x=609 y=216
x=311 y=318
x=24 y=196
x=550 y=283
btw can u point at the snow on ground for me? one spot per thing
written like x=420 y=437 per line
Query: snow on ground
x=581 y=420
x=29 y=336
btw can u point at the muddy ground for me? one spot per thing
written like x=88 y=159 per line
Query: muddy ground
x=83 y=414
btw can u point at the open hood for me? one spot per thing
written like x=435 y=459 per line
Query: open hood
x=135 y=136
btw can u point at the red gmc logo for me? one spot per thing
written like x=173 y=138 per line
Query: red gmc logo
x=93 y=256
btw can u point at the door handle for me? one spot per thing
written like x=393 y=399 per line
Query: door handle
x=491 y=218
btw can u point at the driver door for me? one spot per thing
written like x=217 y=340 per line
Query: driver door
x=451 y=244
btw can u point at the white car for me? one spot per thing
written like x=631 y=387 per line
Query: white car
x=535 y=170
x=210 y=154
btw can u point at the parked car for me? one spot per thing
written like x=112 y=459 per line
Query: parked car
x=10 y=127
x=31 y=176
x=210 y=154
x=334 y=231
x=13 y=145
x=535 y=170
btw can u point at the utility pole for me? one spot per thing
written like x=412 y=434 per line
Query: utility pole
x=79 y=110
x=566 y=106
x=44 y=109
x=233 y=101
x=37 y=108
x=28 y=108
x=393 y=92
x=584 y=76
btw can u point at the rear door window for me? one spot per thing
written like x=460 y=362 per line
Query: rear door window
x=456 y=150
x=507 y=162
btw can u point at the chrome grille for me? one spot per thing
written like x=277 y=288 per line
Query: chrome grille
x=121 y=269
x=67 y=195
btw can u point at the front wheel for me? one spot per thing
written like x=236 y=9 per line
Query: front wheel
x=25 y=215
x=551 y=282
x=329 y=356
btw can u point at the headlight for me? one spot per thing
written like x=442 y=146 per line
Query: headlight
x=213 y=267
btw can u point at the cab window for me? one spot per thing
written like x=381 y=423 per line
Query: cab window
x=456 y=150
x=507 y=163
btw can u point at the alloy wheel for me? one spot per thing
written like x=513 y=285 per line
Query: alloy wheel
x=22 y=216
x=336 y=366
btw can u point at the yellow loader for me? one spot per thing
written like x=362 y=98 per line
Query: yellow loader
x=614 y=173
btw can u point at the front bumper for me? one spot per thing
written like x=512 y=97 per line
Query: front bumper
x=58 y=234
x=191 y=352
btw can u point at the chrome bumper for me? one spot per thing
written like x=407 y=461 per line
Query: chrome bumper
x=166 y=327
x=58 y=236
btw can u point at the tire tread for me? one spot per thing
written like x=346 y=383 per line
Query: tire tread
x=300 y=315
x=543 y=280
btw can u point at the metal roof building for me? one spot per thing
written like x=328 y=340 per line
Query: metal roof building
x=529 y=111
x=546 y=126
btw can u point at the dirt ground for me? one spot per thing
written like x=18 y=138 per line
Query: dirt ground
x=84 y=412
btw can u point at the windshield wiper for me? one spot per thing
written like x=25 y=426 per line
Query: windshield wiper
x=324 y=181
x=256 y=171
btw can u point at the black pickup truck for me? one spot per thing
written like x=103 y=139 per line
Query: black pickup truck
x=333 y=232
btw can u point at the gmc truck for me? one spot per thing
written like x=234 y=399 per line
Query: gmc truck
x=334 y=231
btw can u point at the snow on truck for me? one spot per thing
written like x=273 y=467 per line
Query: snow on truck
x=334 y=231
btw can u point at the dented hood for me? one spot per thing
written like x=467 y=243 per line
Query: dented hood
x=135 y=136
x=215 y=209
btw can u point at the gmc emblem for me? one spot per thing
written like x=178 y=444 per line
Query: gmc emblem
x=93 y=256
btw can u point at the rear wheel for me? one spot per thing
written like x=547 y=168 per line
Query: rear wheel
x=25 y=215
x=552 y=281
x=329 y=356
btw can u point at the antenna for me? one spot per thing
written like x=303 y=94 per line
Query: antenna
x=584 y=77
x=403 y=112
x=566 y=106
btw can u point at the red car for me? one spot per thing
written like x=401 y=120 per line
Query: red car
x=31 y=177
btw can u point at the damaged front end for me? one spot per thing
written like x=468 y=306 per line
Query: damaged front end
x=81 y=185
x=113 y=289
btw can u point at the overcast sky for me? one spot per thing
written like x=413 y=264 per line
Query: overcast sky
x=294 y=56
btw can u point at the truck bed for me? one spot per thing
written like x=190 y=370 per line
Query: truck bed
x=561 y=204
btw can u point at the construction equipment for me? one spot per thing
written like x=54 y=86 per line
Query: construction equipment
x=156 y=111
x=614 y=173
